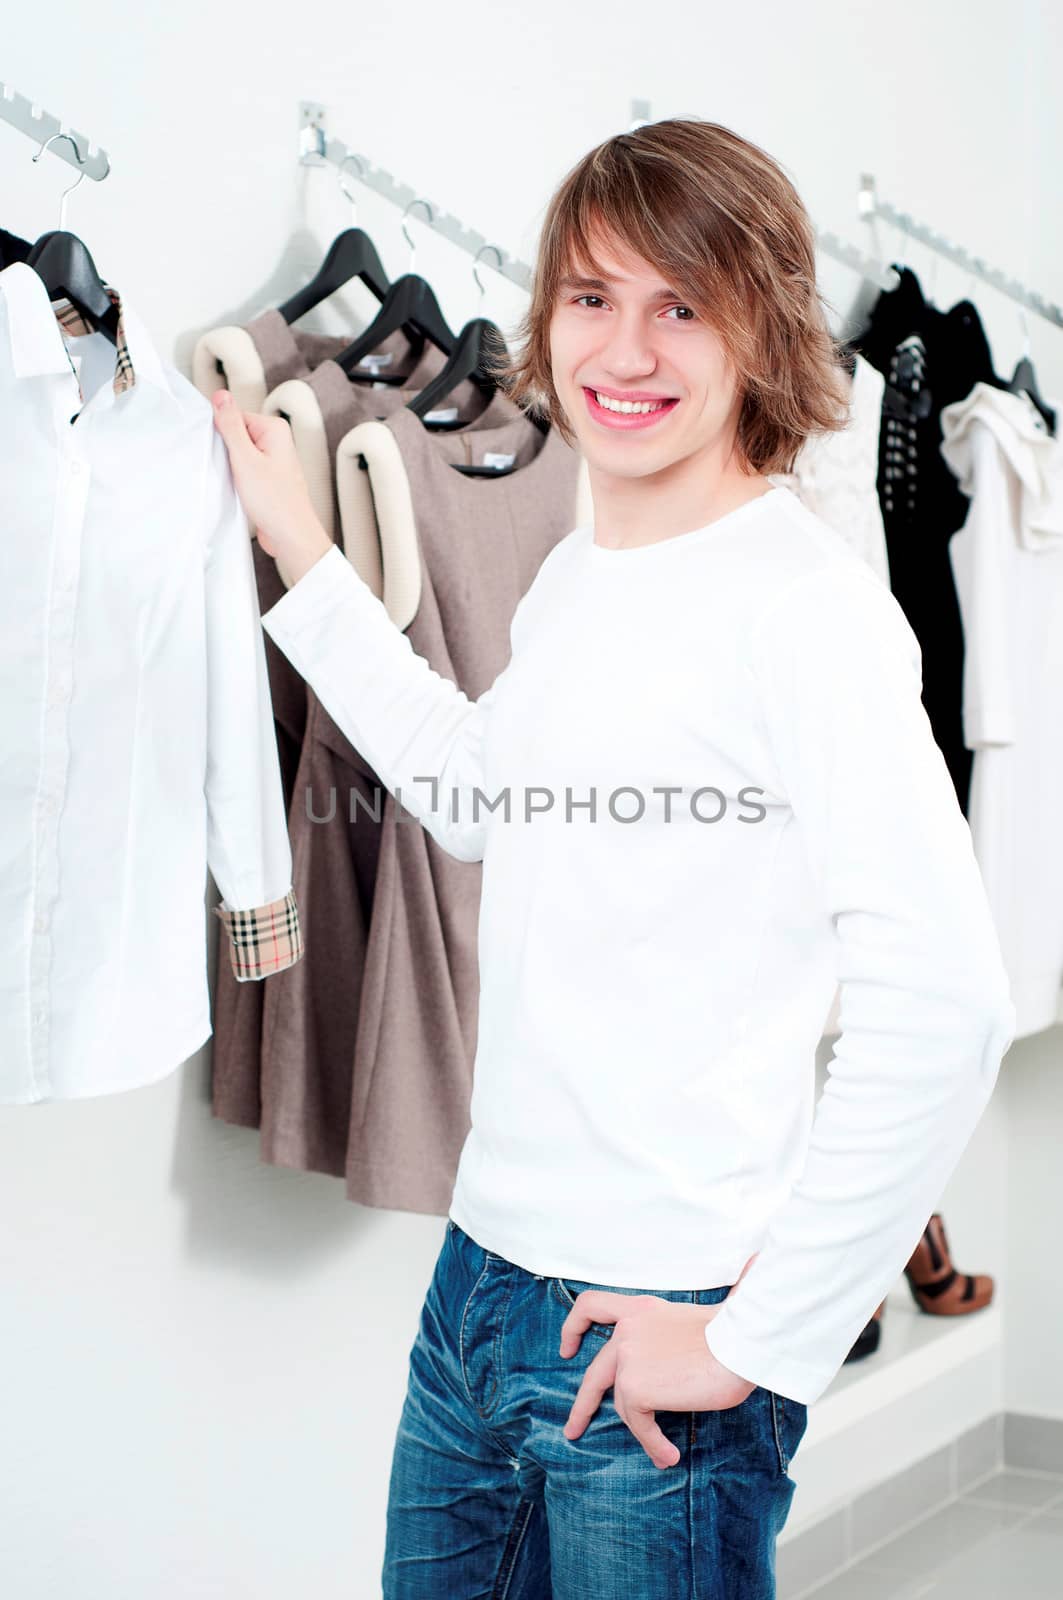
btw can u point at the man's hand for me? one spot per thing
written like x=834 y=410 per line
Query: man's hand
x=271 y=486
x=655 y=1360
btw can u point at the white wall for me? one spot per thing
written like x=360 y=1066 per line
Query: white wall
x=1033 y=1086
x=203 y=1358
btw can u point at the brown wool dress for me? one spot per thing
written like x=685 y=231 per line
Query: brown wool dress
x=284 y=353
x=267 y=353
x=368 y=1043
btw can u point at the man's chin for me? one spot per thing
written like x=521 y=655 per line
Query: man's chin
x=619 y=462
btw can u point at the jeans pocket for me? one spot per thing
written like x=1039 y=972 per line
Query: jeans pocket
x=565 y=1292
x=789 y=1419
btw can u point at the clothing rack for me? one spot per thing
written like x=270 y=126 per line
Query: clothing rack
x=871 y=206
x=868 y=266
x=316 y=148
x=37 y=124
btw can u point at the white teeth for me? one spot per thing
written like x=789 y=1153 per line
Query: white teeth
x=627 y=405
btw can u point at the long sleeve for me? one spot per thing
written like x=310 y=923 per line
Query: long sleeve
x=925 y=1010
x=419 y=732
x=248 y=849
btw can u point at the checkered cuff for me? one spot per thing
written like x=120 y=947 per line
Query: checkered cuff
x=264 y=940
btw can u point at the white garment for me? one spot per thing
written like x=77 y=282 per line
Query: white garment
x=1007 y=561
x=654 y=986
x=836 y=474
x=136 y=739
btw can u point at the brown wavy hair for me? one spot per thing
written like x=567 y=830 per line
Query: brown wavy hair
x=722 y=222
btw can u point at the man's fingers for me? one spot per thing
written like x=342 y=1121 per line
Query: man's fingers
x=229 y=421
x=598 y=1377
x=591 y=1305
x=266 y=432
x=644 y=1425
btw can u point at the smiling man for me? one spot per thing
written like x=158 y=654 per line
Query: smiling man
x=656 y=1257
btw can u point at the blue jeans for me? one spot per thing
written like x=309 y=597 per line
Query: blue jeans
x=489 y=1501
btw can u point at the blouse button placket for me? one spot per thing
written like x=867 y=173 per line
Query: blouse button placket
x=68 y=521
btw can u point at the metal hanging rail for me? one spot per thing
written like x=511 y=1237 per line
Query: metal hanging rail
x=872 y=207
x=316 y=148
x=74 y=148
x=867 y=266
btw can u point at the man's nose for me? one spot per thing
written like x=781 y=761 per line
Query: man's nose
x=628 y=351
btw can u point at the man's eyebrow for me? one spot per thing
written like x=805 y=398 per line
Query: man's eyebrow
x=603 y=285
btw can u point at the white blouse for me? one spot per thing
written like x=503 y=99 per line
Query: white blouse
x=1007 y=561
x=836 y=474
x=136 y=733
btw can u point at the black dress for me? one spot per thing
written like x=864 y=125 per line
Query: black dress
x=929 y=358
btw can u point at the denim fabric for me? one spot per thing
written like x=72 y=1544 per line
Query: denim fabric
x=489 y=1501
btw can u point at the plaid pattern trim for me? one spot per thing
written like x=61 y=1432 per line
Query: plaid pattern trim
x=264 y=940
x=71 y=321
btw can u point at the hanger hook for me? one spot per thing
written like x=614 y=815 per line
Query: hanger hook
x=406 y=231
x=476 y=275
x=1025 y=326
x=343 y=187
x=867 y=211
x=81 y=162
x=934 y=258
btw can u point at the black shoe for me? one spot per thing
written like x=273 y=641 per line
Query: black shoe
x=868 y=1341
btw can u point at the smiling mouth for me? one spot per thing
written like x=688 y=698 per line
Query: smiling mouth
x=627 y=414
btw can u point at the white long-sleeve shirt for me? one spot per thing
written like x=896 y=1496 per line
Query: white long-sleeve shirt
x=741 y=705
x=137 y=746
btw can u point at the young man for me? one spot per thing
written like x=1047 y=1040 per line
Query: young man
x=656 y=973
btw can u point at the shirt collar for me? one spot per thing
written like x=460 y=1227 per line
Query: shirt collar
x=36 y=340
x=71 y=320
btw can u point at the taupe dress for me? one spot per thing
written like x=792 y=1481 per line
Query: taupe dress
x=284 y=354
x=368 y=1043
x=269 y=353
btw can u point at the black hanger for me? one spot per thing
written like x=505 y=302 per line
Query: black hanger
x=67 y=270
x=1024 y=380
x=12 y=248
x=351 y=254
x=410 y=302
x=480 y=346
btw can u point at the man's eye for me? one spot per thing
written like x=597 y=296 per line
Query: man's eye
x=580 y=297
x=691 y=313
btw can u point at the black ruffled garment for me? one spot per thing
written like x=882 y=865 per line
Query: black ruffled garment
x=929 y=358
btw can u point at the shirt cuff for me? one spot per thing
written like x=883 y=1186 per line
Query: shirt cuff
x=756 y=1363
x=311 y=596
x=263 y=940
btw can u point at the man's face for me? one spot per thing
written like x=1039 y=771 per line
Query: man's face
x=630 y=336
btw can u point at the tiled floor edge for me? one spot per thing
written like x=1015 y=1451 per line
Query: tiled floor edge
x=811 y=1557
x=1020 y=1440
x=1033 y=1443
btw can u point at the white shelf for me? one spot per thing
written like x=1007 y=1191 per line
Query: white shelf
x=915 y=1348
x=931 y=1378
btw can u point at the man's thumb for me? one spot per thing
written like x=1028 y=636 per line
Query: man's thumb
x=228 y=419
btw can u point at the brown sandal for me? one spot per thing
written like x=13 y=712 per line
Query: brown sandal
x=936 y=1285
